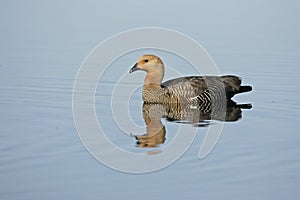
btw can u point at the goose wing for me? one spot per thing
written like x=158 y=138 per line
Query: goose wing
x=192 y=86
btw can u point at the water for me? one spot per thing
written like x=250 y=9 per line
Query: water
x=41 y=48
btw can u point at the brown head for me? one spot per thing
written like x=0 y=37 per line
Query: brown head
x=154 y=67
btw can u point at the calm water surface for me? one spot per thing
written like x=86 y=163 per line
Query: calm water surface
x=42 y=157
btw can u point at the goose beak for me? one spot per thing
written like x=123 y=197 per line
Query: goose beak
x=134 y=68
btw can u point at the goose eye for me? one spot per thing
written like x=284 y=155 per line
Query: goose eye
x=146 y=61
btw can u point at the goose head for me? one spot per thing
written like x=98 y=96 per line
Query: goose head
x=153 y=66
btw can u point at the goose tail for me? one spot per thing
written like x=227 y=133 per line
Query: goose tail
x=245 y=88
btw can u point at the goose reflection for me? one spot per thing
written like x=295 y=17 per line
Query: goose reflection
x=196 y=116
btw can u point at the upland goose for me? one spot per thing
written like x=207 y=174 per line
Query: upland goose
x=184 y=90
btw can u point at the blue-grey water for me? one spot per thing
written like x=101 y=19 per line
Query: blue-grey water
x=42 y=45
